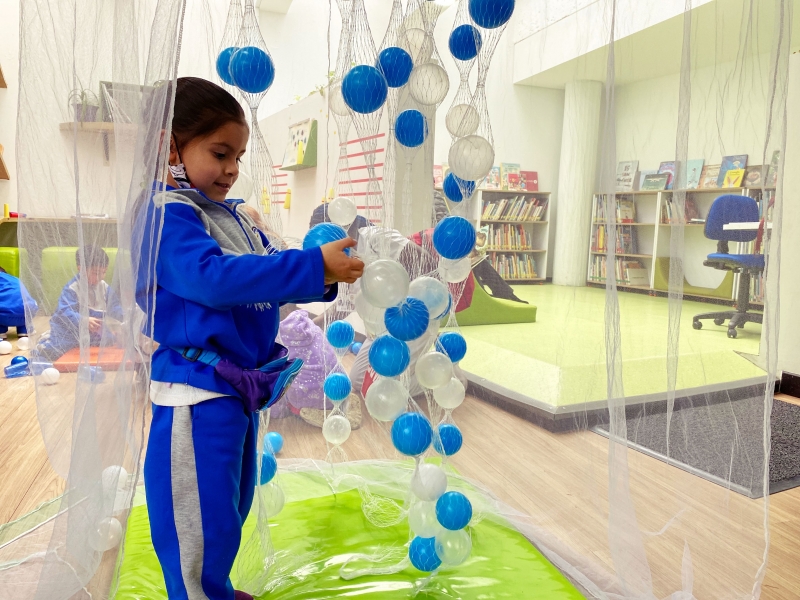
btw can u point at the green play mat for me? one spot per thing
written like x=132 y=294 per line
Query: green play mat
x=314 y=536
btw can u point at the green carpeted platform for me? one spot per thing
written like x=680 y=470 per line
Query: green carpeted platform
x=488 y=310
x=560 y=359
x=322 y=532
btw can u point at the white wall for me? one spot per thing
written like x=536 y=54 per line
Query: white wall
x=9 y=59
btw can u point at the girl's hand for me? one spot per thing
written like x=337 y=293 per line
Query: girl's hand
x=339 y=266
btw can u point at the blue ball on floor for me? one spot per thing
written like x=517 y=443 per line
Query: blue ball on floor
x=355 y=348
x=19 y=359
x=269 y=467
x=422 y=553
x=273 y=442
x=453 y=511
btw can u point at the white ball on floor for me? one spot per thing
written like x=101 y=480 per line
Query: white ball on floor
x=50 y=376
x=434 y=370
x=422 y=519
x=451 y=395
x=5 y=347
x=342 y=211
x=274 y=499
x=107 y=535
x=428 y=482
x=23 y=343
x=336 y=429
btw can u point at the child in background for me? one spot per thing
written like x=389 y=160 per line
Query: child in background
x=211 y=285
x=64 y=334
x=13 y=299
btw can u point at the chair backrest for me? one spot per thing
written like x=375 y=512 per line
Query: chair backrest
x=731 y=208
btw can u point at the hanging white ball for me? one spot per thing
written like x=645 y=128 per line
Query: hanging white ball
x=386 y=399
x=462 y=119
x=433 y=293
x=50 y=376
x=471 y=157
x=422 y=520
x=429 y=85
x=23 y=343
x=453 y=547
x=336 y=429
x=429 y=482
x=336 y=100
x=433 y=370
x=454 y=271
x=420 y=45
x=373 y=317
x=342 y=211
x=451 y=395
x=5 y=347
x=384 y=283
x=107 y=535
x=274 y=499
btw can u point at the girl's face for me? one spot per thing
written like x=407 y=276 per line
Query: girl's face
x=212 y=162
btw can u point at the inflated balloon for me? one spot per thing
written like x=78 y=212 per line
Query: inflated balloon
x=107 y=535
x=420 y=44
x=336 y=429
x=429 y=482
x=337 y=386
x=457 y=189
x=336 y=100
x=411 y=433
x=324 y=233
x=491 y=14
x=389 y=356
x=23 y=343
x=433 y=293
x=5 y=347
x=269 y=467
x=429 y=84
x=273 y=442
x=364 y=89
x=50 y=376
x=450 y=396
x=274 y=499
x=371 y=315
x=386 y=399
x=471 y=157
x=408 y=320
x=422 y=553
x=433 y=370
x=462 y=119
x=465 y=42
x=411 y=128
x=340 y=334
x=453 y=547
x=224 y=64
x=449 y=439
x=453 y=344
x=384 y=283
x=454 y=237
x=453 y=271
x=252 y=69
x=342 y=211
x=355 y=348
x=422 y=520
x=395 y=64
x=453 y=510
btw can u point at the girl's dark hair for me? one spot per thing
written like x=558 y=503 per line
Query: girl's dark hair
x=202 y=107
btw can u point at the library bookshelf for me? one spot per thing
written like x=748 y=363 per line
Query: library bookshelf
x=517 y=225
x=643 y=221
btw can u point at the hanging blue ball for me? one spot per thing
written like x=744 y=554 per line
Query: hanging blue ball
x=422 y=553
x=408 y=320
x=389 y=356
x=252 y=70
x=449 y=440
x=491 y=14
x=356 y=347
x=224 y=64
x=453 y=511
x=269 y=467
x=364 y=89
x=465 y=42
x=411 y=128
x=454 y=237
x=337 y=386
x=453 y=344
x=324 y=233
x=457 y=189
x=273 y=442
x=396 y=65
x=340 y=334
x=411 y=433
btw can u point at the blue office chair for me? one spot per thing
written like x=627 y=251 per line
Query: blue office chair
x=733 y=209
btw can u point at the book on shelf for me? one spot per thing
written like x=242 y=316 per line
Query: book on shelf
x=513 y=266
x=730 y=163
x=529 y=181
x=492 y=179
x=509 y=176
x=626 y=175
x=626 y=239
x=772 y=172
x=668 y=168
x=670 y=213
x=626 y=271
x=657 y=181
x=626 y=211
x=694 y=168
x=733 y=178
x=708 y=178
x=438 y=175
x=508 y=236
x=518 y=208
x=754 y=176
x=641 y=178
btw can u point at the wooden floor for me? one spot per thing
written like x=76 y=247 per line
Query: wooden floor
x=561 y=479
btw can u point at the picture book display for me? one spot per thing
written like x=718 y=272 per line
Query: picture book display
x=626 y=175
x=438 y=175
x=529 y=181
x=509 y=176
x=772 y=172
x=642 y=176
x=492 y=179
x=669 y=169
x=708 y=179
x=657 y=181
x=694 y=168
x=730 y=163
x=733 y=178
x=754 y=176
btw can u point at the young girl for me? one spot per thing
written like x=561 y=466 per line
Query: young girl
x=213 y=286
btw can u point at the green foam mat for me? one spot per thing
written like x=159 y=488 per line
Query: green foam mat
x=315 y=536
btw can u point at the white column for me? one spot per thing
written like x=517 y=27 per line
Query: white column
x=577 y=177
